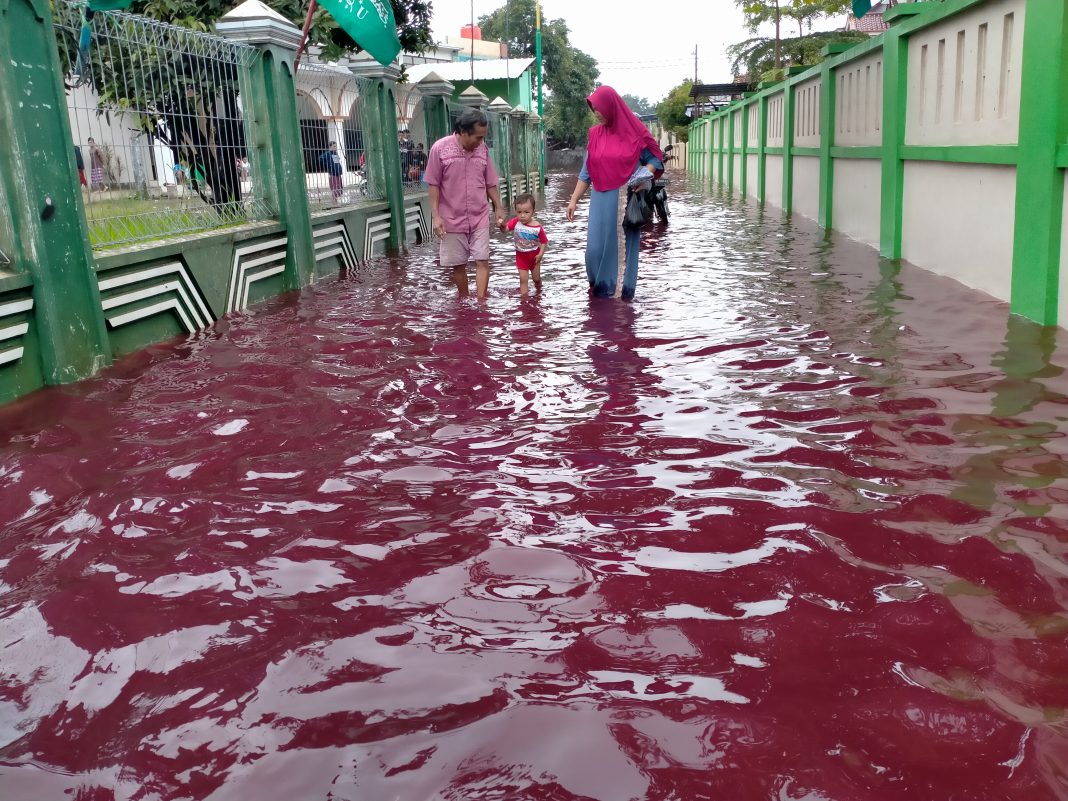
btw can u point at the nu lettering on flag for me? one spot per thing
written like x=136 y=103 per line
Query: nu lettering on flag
x=370 y=23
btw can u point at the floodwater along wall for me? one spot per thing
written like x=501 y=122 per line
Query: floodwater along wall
x=206 y=184
x=943 y=141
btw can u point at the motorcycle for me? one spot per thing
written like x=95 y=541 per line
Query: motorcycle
x=658 y=194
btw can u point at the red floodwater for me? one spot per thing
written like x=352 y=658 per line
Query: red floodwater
x=791 y=526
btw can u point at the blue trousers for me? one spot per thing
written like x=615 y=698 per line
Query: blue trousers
x=602 y=247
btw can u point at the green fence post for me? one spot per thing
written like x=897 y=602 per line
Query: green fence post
x=711 y=166
x=743 y=166
x=40 y=182
x=895 y=74
x=269 y=102
x=384 y=152
x=788 y=106
x=519 y=154
x=500 y=111
x=762 y=144
x=828 y=121
x=436 y=92
x=730 y=148
x=721 y=153
x=1036 y=250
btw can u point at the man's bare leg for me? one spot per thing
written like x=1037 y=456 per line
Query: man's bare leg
x=459 y=277
x=482 y=278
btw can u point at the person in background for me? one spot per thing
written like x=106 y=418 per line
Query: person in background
x=404 y=142
x=331 y=161
x=460 y=176
x=96 y=167
x=417 y=163
x=80 y=161
x=621 y=152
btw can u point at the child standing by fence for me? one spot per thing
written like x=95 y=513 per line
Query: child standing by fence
x=530 y=241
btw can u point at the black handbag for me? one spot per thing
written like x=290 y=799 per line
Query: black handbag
x=639 y=210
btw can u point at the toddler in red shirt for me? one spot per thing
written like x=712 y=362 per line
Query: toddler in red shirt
x=530 y=241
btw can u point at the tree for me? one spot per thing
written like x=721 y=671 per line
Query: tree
x=412 y=16
x=569 y=73
x=756 y=57
x=639 y=105
x=760 y=12
x=672 y=110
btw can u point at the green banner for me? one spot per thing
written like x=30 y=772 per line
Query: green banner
x=371 y=25
x=861 y=7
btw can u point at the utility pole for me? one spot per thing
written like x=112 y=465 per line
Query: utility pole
x=695 y=65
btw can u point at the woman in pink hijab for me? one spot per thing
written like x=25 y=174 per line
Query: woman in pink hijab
x=619 y=147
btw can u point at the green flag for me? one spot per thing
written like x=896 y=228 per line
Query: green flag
x=861 y=7
x=371 y=25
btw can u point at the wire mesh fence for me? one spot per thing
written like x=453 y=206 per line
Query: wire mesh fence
x=159 y=135
x=335 y=137
x=411 y=125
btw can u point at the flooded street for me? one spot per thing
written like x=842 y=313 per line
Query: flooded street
x=792 y=525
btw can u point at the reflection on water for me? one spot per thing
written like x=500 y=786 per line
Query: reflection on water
x=791 y=526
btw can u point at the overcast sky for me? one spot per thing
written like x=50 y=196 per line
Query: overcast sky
x=620 y=35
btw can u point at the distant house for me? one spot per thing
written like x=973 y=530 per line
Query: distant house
x=513 y=79
x=873 y=22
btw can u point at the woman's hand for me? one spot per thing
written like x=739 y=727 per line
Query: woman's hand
x=570 y=212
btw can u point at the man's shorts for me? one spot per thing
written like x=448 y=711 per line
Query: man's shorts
x=456 y=250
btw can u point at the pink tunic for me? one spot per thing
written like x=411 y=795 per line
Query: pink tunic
x=462 y=177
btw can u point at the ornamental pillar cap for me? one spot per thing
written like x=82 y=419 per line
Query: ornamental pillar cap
x=256 y=23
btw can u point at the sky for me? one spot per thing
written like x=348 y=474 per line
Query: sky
x=633 y=57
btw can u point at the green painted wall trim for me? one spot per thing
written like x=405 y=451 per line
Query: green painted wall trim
x=1036 y=248
x=1062 y=156
x=9 y=283
x=806 y=151
x=773 y=151
x=743 y=167
x=730 y=151
x=828 y=114
x=963 y=154
x=762 y=146
x=788 y=150
x=895 y=72
x=874 y=152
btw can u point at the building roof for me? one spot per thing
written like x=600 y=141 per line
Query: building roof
x=491 y=69
x=872 y=22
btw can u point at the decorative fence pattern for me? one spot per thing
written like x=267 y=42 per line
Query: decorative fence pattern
x=943 y=141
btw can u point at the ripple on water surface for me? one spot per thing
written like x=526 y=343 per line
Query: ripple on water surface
x=791 y=526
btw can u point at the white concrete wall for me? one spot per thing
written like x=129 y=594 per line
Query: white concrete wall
x=737 y=117
x=773 y=181
x=857 y=198
x=753 y=121
x=859 y=102
x=1062 y=306
x=751 y=175
x=776 y=117
x=737 y=174
x=958 y=222
x=807 y=114
x=964 y=78
x=807 y=186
